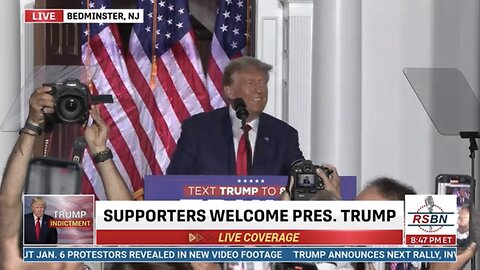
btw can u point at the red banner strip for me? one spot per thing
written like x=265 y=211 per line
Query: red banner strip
x=250 y=237
x=431 y=240
x=43 y=15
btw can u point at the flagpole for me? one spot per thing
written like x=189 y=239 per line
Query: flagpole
x=88 y=55
x=248 y=21
x=153 y=72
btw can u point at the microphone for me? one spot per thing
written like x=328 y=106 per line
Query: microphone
x=242 y=113
x=240 y=109
x=429 y=203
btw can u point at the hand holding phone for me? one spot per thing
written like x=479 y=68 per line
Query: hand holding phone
x=461 y=186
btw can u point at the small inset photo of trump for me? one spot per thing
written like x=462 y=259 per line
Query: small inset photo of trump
x=58 y=219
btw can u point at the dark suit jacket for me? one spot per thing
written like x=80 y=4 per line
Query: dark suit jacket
x=47 y=235
x=463 y=201
x=206 y=146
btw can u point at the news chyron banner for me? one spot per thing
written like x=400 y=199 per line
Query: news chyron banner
x=249 y=223
x=259 y=231
x=83 y=16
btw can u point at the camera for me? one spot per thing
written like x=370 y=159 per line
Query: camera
x=306 y=181
x=72 y=101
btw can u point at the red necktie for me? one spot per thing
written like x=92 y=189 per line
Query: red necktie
x=242 y=152
x=37 y=229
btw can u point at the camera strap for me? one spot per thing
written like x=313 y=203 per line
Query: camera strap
x=78 y=149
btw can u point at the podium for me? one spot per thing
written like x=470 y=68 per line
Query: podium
x=227 y=187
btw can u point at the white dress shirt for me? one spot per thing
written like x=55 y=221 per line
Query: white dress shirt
x=238 y=131
x=35 y=220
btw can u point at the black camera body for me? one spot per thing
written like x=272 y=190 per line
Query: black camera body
x=72 y=102
x=306 y=181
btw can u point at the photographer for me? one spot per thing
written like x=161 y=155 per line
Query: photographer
x=381 y=188
x=330 y=192
x=13 y=183
x=384 y=188
x=41 y=103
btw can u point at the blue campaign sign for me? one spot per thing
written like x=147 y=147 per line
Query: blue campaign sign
x=227 y=187
x=235 y=254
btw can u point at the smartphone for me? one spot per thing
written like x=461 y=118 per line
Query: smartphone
x=461 y=186
x=53 y=176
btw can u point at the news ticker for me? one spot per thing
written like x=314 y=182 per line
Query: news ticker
x=235 y=254
x=261 y=223
x=83 y=16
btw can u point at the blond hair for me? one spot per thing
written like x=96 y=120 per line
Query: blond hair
x=39 y=200
x=244 y=63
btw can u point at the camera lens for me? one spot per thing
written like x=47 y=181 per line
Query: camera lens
x=71 y=105
x=70 y=109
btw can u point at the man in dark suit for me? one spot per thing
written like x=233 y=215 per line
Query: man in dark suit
x=36 y=229
x=463 y=197
x=209 y=142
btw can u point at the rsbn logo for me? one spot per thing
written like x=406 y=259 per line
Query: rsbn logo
x=430 y=217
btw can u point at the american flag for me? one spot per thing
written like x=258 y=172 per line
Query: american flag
x=158 y=84
x=129 y=140
x=229 y=42
x=163 y=46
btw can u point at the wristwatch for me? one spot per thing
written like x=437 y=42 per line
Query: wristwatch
x=102 y=155
x=33 y=128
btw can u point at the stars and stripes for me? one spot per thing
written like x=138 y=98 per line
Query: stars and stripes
x=229 y=42
x=168 y=74
x=129 y=138
x=156 y=84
